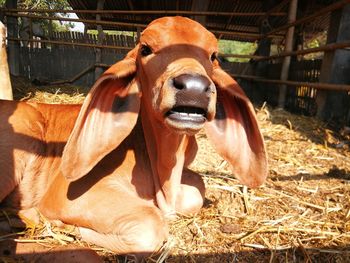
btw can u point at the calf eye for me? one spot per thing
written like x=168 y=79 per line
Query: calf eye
x=145 y=50
x=213 y=57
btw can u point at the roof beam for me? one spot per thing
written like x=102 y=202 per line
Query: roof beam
x=144 y=12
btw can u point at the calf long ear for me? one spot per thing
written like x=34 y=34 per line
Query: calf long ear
x=234 y=132
x=106 y=118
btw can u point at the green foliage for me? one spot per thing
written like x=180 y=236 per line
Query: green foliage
x=43 y=4
x=113 y=32
x=58 y=27
x=316 y=41
x=48 y=4
x=40 y=4
x=236 y=47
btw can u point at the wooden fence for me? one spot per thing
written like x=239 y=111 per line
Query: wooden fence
x=300 y=98
x=333 y=88
x=53 y=62
x=108 y=39
x=49 y=62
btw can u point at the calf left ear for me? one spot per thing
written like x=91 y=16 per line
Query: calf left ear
x=234 y=132
x=108 y=115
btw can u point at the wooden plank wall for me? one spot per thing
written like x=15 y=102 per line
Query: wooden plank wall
x=53 y=62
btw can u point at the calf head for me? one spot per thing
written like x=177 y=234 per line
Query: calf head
x=175 y=64
x=174 y=78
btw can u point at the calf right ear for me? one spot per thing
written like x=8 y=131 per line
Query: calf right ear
x=235 y=133
x=107 y=116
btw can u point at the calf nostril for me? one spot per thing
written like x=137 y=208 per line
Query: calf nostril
x=178 y=83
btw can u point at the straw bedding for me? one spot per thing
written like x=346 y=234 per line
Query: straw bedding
x=301 y=213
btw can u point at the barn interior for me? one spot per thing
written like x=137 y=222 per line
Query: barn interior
x=292 y=58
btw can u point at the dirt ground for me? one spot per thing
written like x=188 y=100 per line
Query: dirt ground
x=301 y=213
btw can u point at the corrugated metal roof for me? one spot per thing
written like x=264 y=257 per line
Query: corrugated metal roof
x=240 y=24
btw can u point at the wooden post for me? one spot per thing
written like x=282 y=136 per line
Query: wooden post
x=31 y=35
x=260 y=68
x=13 y=46
x=50 y=27
x=100 y=36
x=138 y=34
x=258 y=91
x=5 y=81
x=335 y=69
x=293 y=6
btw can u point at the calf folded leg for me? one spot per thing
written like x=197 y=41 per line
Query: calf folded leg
x=108 y=214
x=140 y=233
x=191 y=195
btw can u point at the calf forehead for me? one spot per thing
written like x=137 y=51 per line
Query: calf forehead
x=167 y=31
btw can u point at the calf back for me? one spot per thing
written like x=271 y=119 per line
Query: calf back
x=32 y=138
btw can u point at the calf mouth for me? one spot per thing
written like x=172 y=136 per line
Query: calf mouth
x=186 y=119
